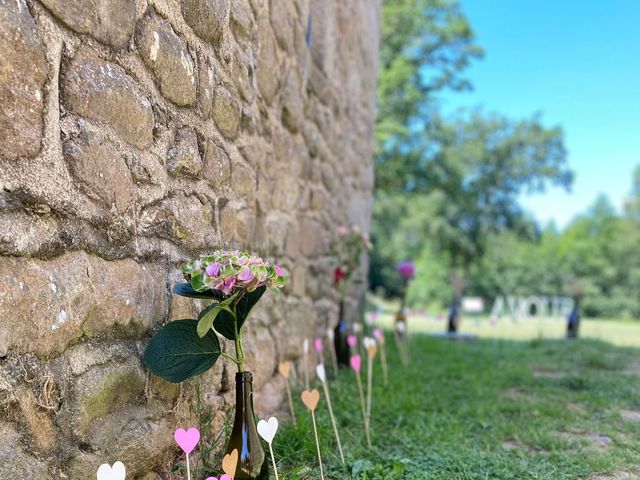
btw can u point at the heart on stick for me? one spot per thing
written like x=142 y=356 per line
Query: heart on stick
x=379 y=334
x=371 y=351
x=230 y=462
x=115 y=472
x=356 y=363
x=357 y=327
x=187 y=439
x=352 y=340
x=310 y=399
x=284 y=368
x=330 y=334
x=318 y=345
x=368 y=342
x=305 y=346
x=223 y=477
x=320 y=371
x=267 y=429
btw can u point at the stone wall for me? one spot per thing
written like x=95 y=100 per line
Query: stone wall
x=136 y=134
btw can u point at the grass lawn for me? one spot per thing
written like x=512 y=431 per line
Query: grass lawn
x=490 y=409
x=618 y=332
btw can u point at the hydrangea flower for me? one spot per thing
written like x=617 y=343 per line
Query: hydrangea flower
x=407 y=269
x=230 y=271
x=347 y=247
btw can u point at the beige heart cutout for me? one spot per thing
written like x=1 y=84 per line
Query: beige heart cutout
x=230 y=462
x=311 y=398
x=372 y=351
x=284 y=369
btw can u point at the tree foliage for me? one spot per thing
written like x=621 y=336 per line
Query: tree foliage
x=425 y=46
x=448 y=182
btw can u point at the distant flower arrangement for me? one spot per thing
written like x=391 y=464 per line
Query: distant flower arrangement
x=346 y=248
x=406 y=269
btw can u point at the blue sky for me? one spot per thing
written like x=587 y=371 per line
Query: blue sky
x=578 y=62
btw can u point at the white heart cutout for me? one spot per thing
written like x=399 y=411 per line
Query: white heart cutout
x=267 y=429
x=330 y=334
x=368 y=342
x=305 y=346
x=322 y=375
x=115 y=472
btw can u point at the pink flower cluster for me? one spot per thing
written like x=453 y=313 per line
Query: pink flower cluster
x=407 y=269
x=232 y=271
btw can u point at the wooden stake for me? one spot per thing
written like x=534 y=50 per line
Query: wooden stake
x=310 y=400
x=273 y=459
x=315 y=433
x=285 y=368
x=385 y=368
x=325 y=387
x=305 y=353
x=369 y=387
x=332 y=351
x=364 y=413
x=293 y=413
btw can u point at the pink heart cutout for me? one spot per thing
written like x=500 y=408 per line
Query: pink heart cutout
x=187 y=440
x=356 y=362
x=223 y=477
x=378 y=333
x=352 y=340
x=318 y=345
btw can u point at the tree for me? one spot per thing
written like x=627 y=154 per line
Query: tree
x=480 y=165
x=632 y=205
x=425 y=46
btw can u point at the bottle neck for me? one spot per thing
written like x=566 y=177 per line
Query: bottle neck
x=244 y=394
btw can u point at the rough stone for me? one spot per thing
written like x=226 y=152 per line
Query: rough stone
x=282 y=21
x=167 y=56
x=23 y=71
x=241 y=72
x=47 y=305
x=184 y=158
x=226 y=112
x=108 y=21
x=298 y=280
x=243 y=181
x=142 y=134
x=103 y=91
x=217 y=166
x=242 y=22
x=184 y=219
x=292 y=114
x=205 y=17
x=99 y=168
x=104 y=389
x=14 y=462
x=206 y=85
x=267 y=71
x=38 y=423
x=323 y=40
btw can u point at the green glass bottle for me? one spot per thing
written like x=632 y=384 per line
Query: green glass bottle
x=252 y=462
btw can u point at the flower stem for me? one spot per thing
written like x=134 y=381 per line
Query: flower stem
x=238 y=336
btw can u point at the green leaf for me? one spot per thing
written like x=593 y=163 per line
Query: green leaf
x=177 y=353
x=223 y=322
x=209 y=314
x=185 y=290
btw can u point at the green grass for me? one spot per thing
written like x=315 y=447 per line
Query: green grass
x=490 y=409
x=618 y=332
